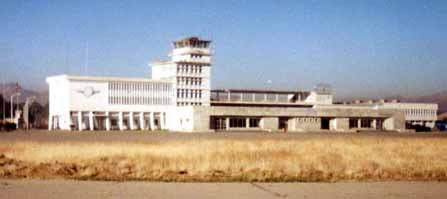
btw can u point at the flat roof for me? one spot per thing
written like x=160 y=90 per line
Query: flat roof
x=161 y=62
x=259 y=91
x=190 y=40
x=259 y=104
x=106 y=78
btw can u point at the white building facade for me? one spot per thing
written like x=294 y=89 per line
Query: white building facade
x=179 y=98
x=416 y=114
x=90 y=103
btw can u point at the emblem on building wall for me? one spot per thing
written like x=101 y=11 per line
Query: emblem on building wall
x=88 y=91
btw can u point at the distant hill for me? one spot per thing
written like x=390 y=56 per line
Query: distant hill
x=10 y=88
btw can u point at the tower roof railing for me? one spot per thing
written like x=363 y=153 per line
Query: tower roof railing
x=192 y=41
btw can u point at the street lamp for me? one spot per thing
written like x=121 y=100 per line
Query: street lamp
x=12 y=103
x=28 y=102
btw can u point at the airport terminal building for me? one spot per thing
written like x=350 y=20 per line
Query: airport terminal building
x=179 y=98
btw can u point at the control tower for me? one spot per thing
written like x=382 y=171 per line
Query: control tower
x=189 y=69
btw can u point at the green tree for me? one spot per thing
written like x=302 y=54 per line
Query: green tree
x=4 y=109
x=38 y=115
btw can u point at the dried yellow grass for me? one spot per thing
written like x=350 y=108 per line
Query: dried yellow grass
x=319 y=159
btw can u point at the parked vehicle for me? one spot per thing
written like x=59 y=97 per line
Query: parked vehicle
x=441 y=125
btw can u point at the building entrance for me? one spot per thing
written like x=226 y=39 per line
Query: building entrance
x=325 y=123
x=218 y=123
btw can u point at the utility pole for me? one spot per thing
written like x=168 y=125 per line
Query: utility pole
x=28 y=102
x=11 y=106
x=3 y=98
x=86 y=60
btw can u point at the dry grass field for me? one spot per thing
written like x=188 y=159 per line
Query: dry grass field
x=320 y=158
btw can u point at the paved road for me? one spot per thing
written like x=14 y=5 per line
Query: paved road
x=37 y=189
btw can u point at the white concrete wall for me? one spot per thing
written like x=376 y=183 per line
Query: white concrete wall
x=304 y=123
x=187 y=58
x=59 y=101
x=164 y=71
x=185 y=50
x=319 y=99
x=99 y=101
x=415 y=111
x=183 y=119
x=206 y=86
x=202 y=115
x=81 y=102
x=85 y=94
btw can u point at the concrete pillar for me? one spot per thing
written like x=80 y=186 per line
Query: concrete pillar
x=131 y=122
x=253 y=97
x=374 y=124
x=277 y=97
x=120 y=121
x=107 y=121
x=333 y=124
x=359 y=123
x=50 y=122
x=162 y=120
x=90 y=121
x=151 y=121
x=54 y=126
x=141 y=120
x=247 y=122
x=227 y=123
x=80 y=120
x=241 y=97
x=265 y=97
x=270 y=123
x=228 y=96
x=291 y=124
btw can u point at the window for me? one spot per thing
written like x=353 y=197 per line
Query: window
x=254 y=122
x=353 y=123
x=139 y=93
x=366 y=123
x=237 y=123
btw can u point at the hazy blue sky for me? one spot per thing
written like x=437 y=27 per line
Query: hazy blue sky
x=369 y=48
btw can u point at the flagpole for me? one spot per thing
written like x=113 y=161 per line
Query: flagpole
x=86 y=60
x=3 y=97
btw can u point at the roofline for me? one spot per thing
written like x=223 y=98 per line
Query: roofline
x=191 y=38
x=193 y=63
x=160 y=63
x=258 y=91
x=104 y=78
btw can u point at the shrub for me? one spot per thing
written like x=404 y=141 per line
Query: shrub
x=9 y=126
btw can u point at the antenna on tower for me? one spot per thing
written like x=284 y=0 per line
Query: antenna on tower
x=67 y=67
x=86 y=60
x=3 y=96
